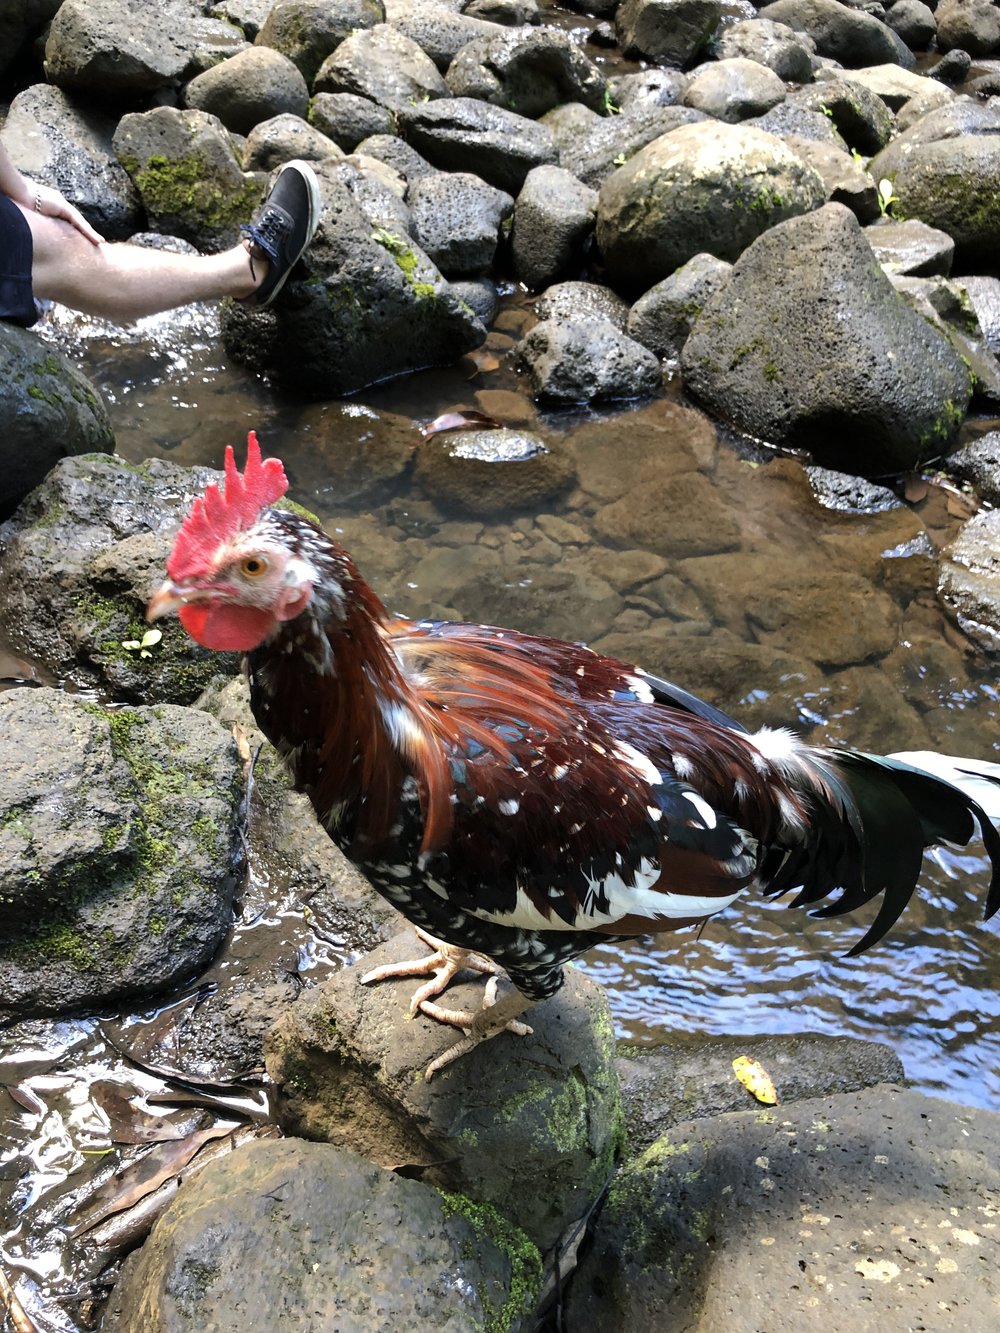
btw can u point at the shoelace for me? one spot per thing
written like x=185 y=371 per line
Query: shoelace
x=265 y=235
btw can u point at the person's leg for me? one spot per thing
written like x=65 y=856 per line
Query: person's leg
x=123 y=282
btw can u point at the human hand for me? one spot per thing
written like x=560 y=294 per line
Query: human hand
x=51 y=204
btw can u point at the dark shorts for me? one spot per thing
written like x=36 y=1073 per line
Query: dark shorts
x=17 y=304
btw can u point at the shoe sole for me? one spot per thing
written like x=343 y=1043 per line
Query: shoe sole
x=315 y=204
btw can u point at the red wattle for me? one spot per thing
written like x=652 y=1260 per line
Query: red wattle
x=228 y=629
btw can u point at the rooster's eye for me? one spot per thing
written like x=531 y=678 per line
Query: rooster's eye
x=253 y=566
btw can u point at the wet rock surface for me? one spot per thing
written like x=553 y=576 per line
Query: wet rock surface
x=349 y=1069
x=850 y=400
x=94 y=536
x=883 y=1197
x=124 y=883
x=317 y=1221
x=48 y=410
x=686 y=1080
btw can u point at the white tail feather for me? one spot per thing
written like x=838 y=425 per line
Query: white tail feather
x=978 y=778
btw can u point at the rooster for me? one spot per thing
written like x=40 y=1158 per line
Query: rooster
x=518 y=798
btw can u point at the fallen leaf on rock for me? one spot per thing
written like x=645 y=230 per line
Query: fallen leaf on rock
x=129 y=1186
x=460 y=421
x=755 y=1079
x=129 y=1123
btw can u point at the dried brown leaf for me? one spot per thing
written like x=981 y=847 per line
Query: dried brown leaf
x=129 y=1123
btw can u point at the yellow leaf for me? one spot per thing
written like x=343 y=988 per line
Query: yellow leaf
x=755 y=1079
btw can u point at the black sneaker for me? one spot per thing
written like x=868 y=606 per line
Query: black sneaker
x=283 y=228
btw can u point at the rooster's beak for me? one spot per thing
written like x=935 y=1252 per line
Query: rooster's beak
x=165 y=601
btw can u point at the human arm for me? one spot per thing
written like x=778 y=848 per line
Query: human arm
x=41 y=199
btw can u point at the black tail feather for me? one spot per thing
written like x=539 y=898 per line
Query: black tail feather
x=869 y=833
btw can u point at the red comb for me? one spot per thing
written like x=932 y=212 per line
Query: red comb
x=218 y=516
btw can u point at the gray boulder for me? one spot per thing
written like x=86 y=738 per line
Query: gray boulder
x=252 y=86
x=397 y=155
x=830 y=359
x=979 y=463
x=583 y=361
x=911 y=247
x=896 y=85
x=456 y=221
x=667 y=32
x=184 y=167
x=48 y=410
x=511 y=13
x=379 y=193
x=969 y=25
x=692 y=1078
x=708 y=184
x=440 y=29
x=126 y=49
x=860 y=116
x=78 y=562
x=381 y=64
x=914 y=22
x=582 y=300
x=337 y=1243
x=283 y=138
x=945 y=170
x=247 y=15
x=779 y=47
x=844 y=178
x=593 y=151
x=307 y=31
x=649 y=87
x=527 y=70
x=661 y=319
x=347 y=118
x=349 y=1069
x=969 y=578
x=463 y=134
x=984 y=297
x=788 y=121
x=733 y=89
x=55 y=140
x=806 y=1200
x=843 y=33
x=369 y=305
x=125 y=884
x=553 y=219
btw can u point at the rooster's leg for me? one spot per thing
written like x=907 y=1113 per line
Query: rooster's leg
x=496 y=1016
x=442 y=965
